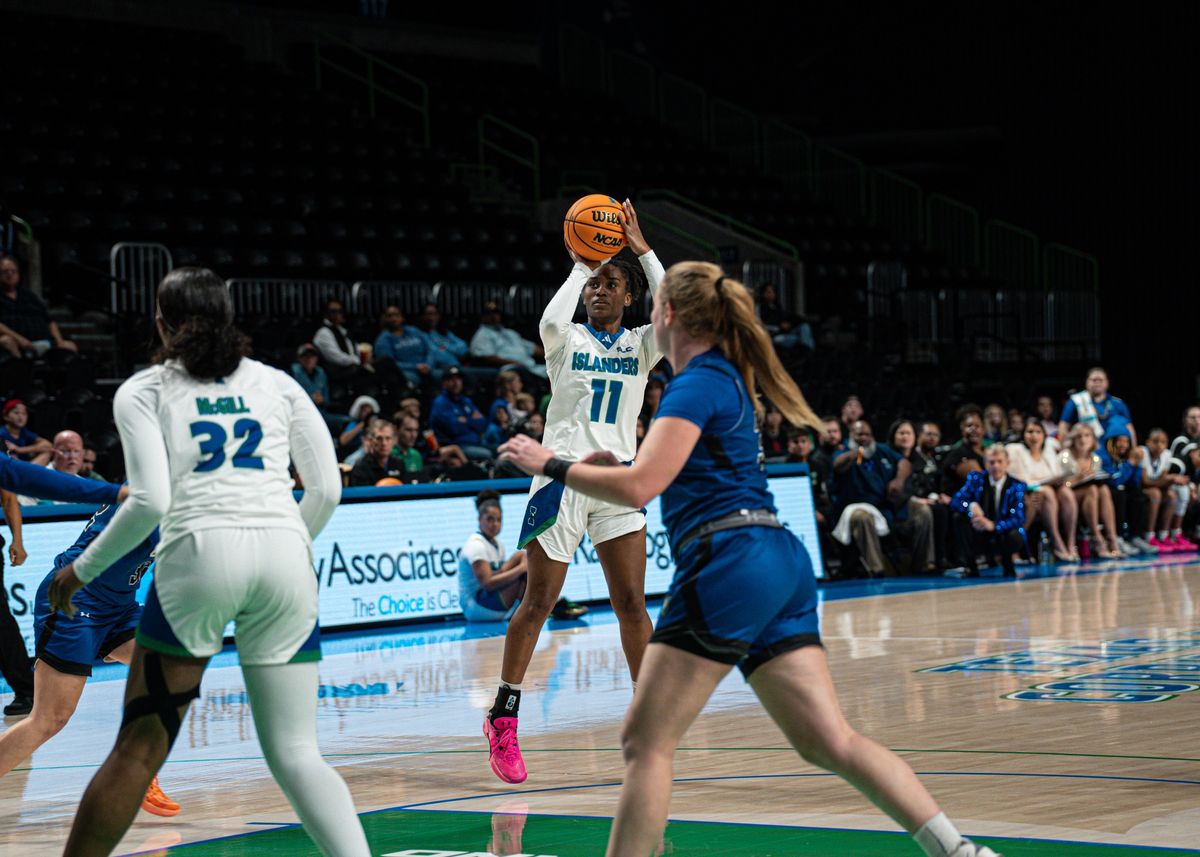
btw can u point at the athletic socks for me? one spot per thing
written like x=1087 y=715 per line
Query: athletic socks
x=938 y=837
x=508 y=701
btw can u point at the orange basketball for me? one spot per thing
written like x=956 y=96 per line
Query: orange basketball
x=593 y=227
x=388 y=481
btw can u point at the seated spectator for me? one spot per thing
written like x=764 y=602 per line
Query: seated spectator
x=67 y=457
x=653 y=395
x=378 y=462
x=526 y=405
x=407 y=432
x=989 y=515
x=343 y=360
x=869 y=480
x=497 y=345
x=787 y=332
x=437 y=456
x=361 y=412
x=831 y=447
x=1016 y=426
x=801 y=450
x=490 y=586
x=966 y=456
x=508 y=387
x=534 y=427
x=929 y=444
x=1047 y=496
x=448 y=349
x=410 y=405
x=1122 y=462
x=1045 y=412
x=88 y=469
x=26 y=329
x=19 y=441
x=1094 y=407
x=455 y=419
x=994 y=424
x=774 y=436
x=923 y=482
x=1190 y=432
x=1165 y=484
x=1085 y=473
x=497 y=430
x=312 y=378
x=403 y=350
x=852 y=411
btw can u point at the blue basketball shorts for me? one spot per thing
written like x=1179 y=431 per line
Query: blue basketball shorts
x=72 y=645
x=741 y=596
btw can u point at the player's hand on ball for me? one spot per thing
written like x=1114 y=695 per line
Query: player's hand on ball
x=633 y=233
x=601 y=458
x=526 y=453
x=577 y=259
x=64 y=585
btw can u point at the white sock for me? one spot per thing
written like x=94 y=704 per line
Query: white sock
x=283 y=699
x=511 y=685
x=1162 y=535
x=938 y=836
x=635 y=687
x=1175 y=533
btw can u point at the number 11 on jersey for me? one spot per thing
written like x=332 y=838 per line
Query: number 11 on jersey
x=613 y=389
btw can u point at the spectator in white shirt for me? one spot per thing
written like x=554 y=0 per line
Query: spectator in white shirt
x=500 y=346
x=1036 y=463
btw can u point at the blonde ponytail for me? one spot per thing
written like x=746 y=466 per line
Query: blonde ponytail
x=712 y=306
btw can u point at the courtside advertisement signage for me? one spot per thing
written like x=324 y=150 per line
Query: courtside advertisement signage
x=394 y=559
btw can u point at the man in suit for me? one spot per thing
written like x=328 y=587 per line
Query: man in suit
x=989 y=515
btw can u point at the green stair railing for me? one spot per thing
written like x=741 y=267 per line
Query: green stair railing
x=488 y=128
x=731 y=223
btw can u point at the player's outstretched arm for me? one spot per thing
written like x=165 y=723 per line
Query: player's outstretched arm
x=316 y=462
x=32 y=480
x=561 y=309
x=662 y=455
x=636 y=241
x=149 y=474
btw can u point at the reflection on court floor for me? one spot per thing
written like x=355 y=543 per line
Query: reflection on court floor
x=1051 y=715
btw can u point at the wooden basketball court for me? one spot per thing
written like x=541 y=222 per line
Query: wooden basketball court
x=1054 y=715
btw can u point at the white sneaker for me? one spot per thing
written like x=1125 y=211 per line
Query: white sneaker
x=1143 y=546
x=967 y=848
x=1126 y=548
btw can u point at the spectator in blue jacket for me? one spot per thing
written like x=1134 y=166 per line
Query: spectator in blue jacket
x=448 y=348
x=405 y=348
x=1094 y=407
x=312 y=378
x=455 y=419
x=1122 y=461
x=989 y=515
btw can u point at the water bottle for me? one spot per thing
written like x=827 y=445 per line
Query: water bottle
x=1044 y=555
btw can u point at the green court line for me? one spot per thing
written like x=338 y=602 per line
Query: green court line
x=527 y=751
x=575 y=836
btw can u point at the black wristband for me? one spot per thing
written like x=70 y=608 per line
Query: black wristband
x=557 y=469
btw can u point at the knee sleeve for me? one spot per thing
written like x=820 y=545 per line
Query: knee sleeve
x=159 y=700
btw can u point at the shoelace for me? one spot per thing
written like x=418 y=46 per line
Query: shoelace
x=506 y=742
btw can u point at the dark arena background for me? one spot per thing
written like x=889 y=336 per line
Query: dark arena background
x=966 y=227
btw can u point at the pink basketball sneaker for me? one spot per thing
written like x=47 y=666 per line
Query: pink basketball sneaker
x=503 y=750
x=1183 y=544
x=1164 y=546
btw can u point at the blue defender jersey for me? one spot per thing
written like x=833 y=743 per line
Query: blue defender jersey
x=725 y=471
x=118 y=584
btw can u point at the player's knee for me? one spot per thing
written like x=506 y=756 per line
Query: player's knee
x=831 y=749
x=539 y=601
x=637 y=747
x=50 y=723
x=628 y=603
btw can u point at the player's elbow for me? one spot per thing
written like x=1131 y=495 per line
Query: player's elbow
x=150 y=502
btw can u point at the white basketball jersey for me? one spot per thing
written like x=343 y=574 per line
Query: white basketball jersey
x=597 y=383
x=228 y=444
x=597 y=379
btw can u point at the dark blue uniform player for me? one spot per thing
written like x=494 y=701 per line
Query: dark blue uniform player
x=103 y=626
x=744 y=591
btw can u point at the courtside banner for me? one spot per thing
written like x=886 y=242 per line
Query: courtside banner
x=387 y=555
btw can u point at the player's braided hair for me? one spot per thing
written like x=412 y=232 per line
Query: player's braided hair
x=196 y=316
x=486 y=498
x=635 y=277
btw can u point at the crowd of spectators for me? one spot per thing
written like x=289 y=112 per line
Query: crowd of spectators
x=415 y=402
x=1013 y=486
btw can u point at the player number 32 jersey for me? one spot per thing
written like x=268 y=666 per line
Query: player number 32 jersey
x=598 y=379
